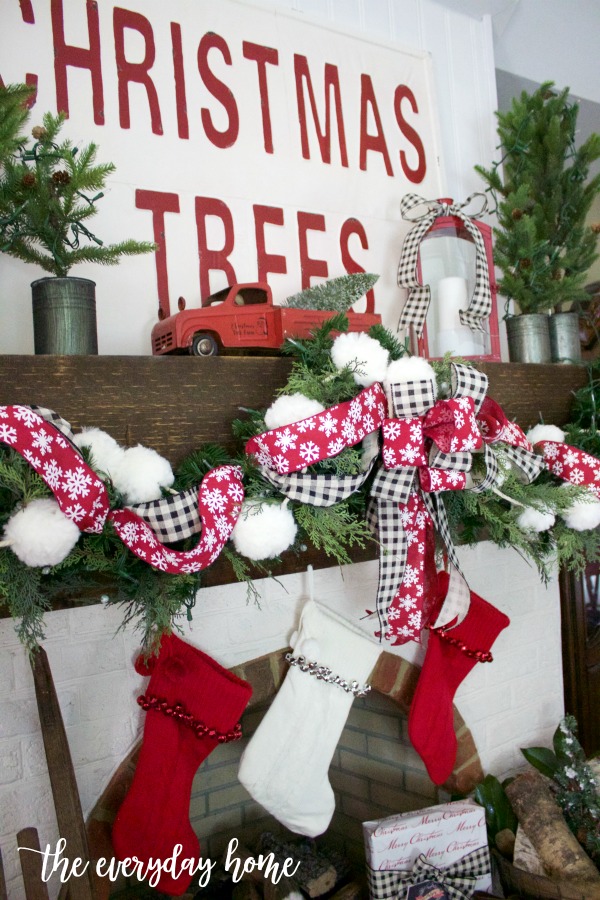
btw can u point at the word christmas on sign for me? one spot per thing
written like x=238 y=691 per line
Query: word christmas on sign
x=247 y=55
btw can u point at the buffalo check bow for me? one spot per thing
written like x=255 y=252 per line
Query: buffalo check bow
x=417 y=303
x=458 y=879
x=403 y=500
x=427 y=448
x=44 y=439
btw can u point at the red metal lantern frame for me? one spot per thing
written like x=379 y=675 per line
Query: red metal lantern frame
x=453 y=226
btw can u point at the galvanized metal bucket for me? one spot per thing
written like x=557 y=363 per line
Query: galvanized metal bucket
x=528 y=338
x=64 y=316
x=565 y=343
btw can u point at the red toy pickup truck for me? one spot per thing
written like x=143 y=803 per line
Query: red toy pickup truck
x=241 y=316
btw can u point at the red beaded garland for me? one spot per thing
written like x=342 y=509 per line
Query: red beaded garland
x=479 y=655
x=179 y=712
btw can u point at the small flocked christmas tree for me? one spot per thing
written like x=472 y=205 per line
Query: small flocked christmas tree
x=543 y=194
x=337 y=294
x=48 y=192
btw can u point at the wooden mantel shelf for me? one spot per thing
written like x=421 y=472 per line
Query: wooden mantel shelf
x=175 y=404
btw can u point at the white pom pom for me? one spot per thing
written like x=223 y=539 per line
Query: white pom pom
x=409 y=368
x=291 y=408
x=537 y=520
x=357 y=348
x=545 y=433
x=106 y=453
x=264 y=530
x=583 y=514
x=40 y=534
x=141 y=474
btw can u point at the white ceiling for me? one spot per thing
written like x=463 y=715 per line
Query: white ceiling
x=479 y=8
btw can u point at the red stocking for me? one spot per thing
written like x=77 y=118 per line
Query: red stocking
x=450 y=656
x=193 y=705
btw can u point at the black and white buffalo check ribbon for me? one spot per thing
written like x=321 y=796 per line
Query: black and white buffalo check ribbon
x=417 y=303
x=458 y=879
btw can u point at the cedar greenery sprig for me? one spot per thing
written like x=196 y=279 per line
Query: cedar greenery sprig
x=491 y=516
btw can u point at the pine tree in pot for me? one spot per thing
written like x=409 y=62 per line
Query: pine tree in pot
x=48 y=191
x=543 y=248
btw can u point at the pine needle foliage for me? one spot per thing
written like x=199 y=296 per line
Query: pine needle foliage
x=543 y=192
x=583 y=431
x=337 y=294
x=389 y=342
x=14 y=114
x=49 y=190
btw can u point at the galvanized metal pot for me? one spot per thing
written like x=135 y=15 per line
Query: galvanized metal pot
x=528 y=338
x=64 y=316
x=565 y=343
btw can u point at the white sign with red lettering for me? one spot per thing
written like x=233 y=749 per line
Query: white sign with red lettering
x=250 y=144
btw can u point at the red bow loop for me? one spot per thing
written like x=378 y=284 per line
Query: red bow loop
x=452 y=426
x=435 y=480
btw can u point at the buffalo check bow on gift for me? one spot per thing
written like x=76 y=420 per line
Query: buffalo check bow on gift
x=458 y=879
x=44 y=439
x=427 y=448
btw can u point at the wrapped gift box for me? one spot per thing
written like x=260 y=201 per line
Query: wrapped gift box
x=440 y=836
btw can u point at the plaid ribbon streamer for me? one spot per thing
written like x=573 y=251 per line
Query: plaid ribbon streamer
x=54 y=419
x=219 y=501
x=417 y=304
x=172 y=518
x=458 y=878
x=43 y=438
x=392 y=489
x=317 y=490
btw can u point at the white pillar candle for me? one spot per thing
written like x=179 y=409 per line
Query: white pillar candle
x=452 y=297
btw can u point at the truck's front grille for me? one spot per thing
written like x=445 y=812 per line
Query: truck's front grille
x=163 y=343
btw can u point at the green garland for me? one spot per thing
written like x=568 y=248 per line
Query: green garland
x=153 y=601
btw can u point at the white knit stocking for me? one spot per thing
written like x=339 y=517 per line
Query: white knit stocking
x=286 y=762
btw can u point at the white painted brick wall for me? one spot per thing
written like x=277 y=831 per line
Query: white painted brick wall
x=514 y=702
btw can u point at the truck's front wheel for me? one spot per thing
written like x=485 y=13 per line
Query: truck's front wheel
x=204 y=345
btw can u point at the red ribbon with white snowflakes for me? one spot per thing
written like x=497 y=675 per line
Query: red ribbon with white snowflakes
x=291 y=448
x=219 y=501
x=572 y=465
x=79 y=492
x=83 y=498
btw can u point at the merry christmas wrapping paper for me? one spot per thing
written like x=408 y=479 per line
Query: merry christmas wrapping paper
x=445 y=844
